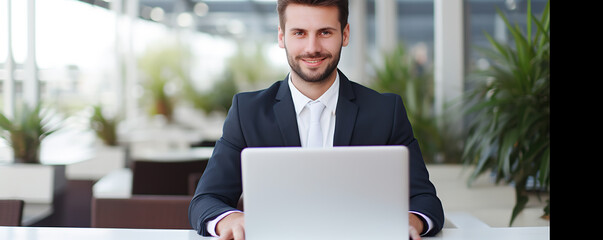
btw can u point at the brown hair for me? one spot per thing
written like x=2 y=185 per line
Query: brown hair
x=342 y=5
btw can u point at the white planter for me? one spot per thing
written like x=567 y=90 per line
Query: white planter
x=104 y=160
x=33 y=183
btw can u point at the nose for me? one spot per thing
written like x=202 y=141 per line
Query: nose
x=314 y=45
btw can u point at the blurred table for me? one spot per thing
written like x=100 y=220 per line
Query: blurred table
x=175 y=155
x=118 y=183
x=152 y=137
x=54 y=233
x=34 y=212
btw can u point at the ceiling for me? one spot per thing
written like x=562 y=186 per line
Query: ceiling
x=257 y=19
x=230 y=18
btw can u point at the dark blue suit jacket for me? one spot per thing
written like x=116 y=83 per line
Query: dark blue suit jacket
x=267 y=118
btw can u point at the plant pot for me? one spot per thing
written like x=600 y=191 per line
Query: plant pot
x=105 y=160
x=25 y=149
x=32 y=157
x=34 y=183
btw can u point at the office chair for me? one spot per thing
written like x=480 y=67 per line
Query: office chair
x=11 y=212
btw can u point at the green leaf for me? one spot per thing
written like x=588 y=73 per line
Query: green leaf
x=545 y=168
x=5 y=123
x=521 y=199
x=505 y=151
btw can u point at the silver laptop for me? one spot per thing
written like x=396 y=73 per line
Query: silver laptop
x=329 y=193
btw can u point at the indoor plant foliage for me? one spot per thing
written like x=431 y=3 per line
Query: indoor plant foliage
x=509 y=108
x=164 y=68
x=25 y=133
x=247 y=70
x=105 y=128
x=401 y=74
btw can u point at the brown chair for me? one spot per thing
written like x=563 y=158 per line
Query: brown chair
x=11 y=212
x=141 y=211
x=164 y=178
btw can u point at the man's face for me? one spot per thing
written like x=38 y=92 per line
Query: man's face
x=313 y=40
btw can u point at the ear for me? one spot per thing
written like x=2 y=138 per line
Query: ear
x=281 y=35
x=346 y=35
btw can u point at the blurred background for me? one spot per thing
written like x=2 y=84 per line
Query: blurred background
x=155 y=79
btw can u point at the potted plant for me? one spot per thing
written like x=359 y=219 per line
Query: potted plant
x=163 y=69
x=25 y=132
x=105 y=128
x=108 y=154
x=509 y=110
x=406 y=76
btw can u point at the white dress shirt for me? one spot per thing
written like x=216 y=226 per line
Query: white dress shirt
x=327 y=121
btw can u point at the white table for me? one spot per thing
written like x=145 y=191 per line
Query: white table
x=54 y=233
x=118 y=183
x=512 y=233
x=63 y=233
x=175 y=155
x=34 y=212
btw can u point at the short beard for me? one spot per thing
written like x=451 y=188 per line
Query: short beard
x=315 y=78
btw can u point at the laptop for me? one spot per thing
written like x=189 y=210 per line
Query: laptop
x=325 y=193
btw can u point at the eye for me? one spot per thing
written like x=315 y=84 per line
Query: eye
x=298 y=33
x=325 y=33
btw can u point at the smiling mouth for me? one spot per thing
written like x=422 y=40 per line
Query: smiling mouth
x=313 y=62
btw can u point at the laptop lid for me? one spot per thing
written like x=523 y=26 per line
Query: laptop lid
x=326 y=193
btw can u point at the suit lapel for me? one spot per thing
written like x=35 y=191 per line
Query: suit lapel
x=284 y=111
x=346 y=113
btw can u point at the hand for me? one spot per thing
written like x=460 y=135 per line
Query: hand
x=415 y=226
x=232 y=227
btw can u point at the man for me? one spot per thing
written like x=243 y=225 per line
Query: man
x=312 y=34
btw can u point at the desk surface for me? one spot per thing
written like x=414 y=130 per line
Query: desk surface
x=54 y=233
x=191 y=154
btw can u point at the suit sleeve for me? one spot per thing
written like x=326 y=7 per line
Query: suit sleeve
x=219 y=188
x=423 y=196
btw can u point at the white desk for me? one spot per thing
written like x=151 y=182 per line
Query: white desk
x=53 y=233
x=34 y=212
x=513 y=233
x=117 y=184
x=191 y=154
x=62 y=233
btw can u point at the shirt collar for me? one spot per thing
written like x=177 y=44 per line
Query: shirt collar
x=329 y=98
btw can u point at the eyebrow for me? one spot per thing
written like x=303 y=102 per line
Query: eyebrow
x=304 y=30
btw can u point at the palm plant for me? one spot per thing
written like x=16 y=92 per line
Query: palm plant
x=509 y=133
x=25 y=133
x=105 y=128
